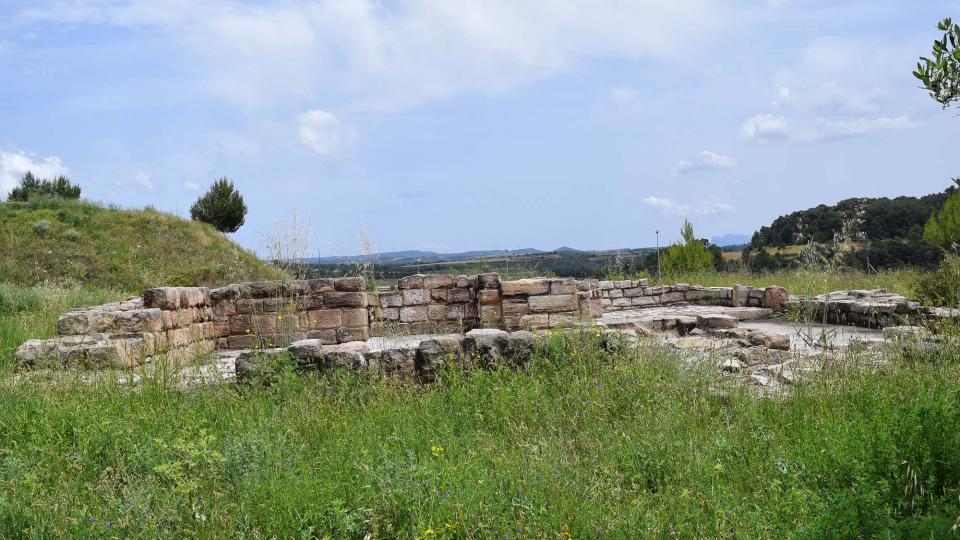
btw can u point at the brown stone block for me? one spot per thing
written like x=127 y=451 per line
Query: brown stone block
x=213 y=330
x=393 y=300
x=528 y=287
x=553 y=303
x=490 y=280
x=354 y=317
x=246 y=341
x=490 y=313
x=324 y=318
x=320 y=285
x=327 y=336
x=460 y=295
x=410 y=314
x=557 y=320
x=352 y=334
x=515 y=306
x=488 y=297
x=535 y=321
x=437 y=281
x=344 y=300
x=440 y=295
x=162 y=298
x=348 y=284
x=436 y=312
x=410 y=282
x=563 y=286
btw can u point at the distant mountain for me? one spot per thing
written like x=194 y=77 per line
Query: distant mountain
x=416 y=256
x=566 y=249
x=731 y=239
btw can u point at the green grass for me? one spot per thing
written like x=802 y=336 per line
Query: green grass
x=79 y=242
x=808 y=281
x=583 y=444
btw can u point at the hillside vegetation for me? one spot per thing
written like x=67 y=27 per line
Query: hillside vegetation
x=79 y=242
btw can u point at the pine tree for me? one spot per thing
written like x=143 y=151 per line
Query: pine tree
x=221 y=206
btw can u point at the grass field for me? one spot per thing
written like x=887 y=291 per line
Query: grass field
x=582 y=444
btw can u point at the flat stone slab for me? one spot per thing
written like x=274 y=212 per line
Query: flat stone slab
x=654 y=317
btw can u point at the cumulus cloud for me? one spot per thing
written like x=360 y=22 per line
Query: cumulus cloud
x=14 y=164
x=322 y=132
x=192 y=186
x=767 y=127
x=703 y=208
x=143 y=179
x=838 y=88
x=403 y=53
x=705 y=161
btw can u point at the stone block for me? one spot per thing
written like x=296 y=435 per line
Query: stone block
x=437 y=281
x=467 y=282
x=224 y=294
x=391 y=299
x=615 y=293
x=246 y=341
x=344 y=299
x=553 y=303
x=716 y=322
x=194 y=296
x=515 y=306
x=454 y=312
x=620 y=302
x=531 y=286
x=261 y=289
x=460 y=295
x=162 y=298
x=435 y=353
x=633 y=292
x=352 y=334
x=558 y=320
x=490 y=313
x=488 y=297
x=354 y=317
x=775 y=297
x=606 y=285
x=739 y=295
x=436 y=312
x=490 y=280
x=537 y=321
x=410 y=282
x=415 y=297
x=440 y=295
x=321 y=285
x=410 y=314
x=672 y=297
x=215 y=329
x=390 y=314
x=348 y=284
x=645 y=301
x=327 y=336
x=563 y=286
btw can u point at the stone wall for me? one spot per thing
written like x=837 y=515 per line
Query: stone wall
x=635 y=294
x=185 y=322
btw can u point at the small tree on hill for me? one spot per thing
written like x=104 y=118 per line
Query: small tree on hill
x=31 y=186
x=943 y=229
x=221 y=206
x=690 y=255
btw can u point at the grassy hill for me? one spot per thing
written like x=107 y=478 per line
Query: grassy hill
x=79 y=242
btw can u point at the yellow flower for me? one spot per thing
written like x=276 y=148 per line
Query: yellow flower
x=429 y=532
x=437 y=451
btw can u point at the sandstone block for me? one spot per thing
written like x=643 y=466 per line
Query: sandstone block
x=515 y=306
x=354 y=317
x=410 y=314
x=775 y=298
x=490 y=313
x=162 y=297
x=261 y=289
x=321 y=285
x=488 y=297
x=606 y=285
x=410 y=282
x=194 y=296
x=531 y=286
x=390 y=314
x=437 y=281
x=348 y=284
x=415 y=297
x=433 y=354
x=537 y=321
x=672 y=297
x=490 y=280
x=344 y=299
x=563 y=286
x=327 y=336
x=615 y=293
x=739 y=295
x=391 y=300
x=558 y=320
x=440 y=295
x=352 y=334
x=633 y=292
x=716 y=321
x=460 y=295
x=553 y=303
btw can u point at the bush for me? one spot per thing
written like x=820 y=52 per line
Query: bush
x=30 y=186
x=41 y=226
x=943 y=229
x=221 y=206
x=942 y=287
x=689 y=256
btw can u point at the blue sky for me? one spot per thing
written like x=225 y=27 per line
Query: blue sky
x=460 y=125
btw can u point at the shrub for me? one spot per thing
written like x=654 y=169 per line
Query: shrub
x=943 y=228
x=221 y=206
x=41 y=226
x=71 y=234
x=30 y=186
x=942 y=287
x=691 y=255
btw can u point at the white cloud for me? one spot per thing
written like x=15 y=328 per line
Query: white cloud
x=143 y=179
x=192 y=186
x=399 y=54
x=322 y=132
x=838 y=88
x=767 y=127
x=703 y=208
x=705 y=161
x=13 y=165
x=764 y=127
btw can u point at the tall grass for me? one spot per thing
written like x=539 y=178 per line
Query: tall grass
x=29 y=312
x=807 y=281
x=581 y=444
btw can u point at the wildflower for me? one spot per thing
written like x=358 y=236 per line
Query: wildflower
x=429 y=532
x=437 y=451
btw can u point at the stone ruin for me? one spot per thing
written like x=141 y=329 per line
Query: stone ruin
x=342 y=322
